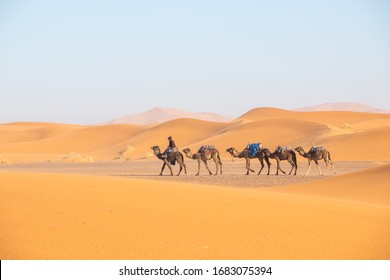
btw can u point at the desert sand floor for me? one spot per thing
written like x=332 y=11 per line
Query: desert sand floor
x=113 y=210
x=233 y=172
x=100 y=208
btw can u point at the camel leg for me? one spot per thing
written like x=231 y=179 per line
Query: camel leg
x=248 y=165
x=278 y=167
x=296 y=169
x=308 y=170
x=278 y=161
x=169 y=166
x=326 y=166
x=216 y=165
x=185 y=168
x=292 y=165
x=180 y=162
x=294 y=159
x=162 y=169
x=207 y=167
x=262 y=165
x=318 y=166
x=197 y=174
x=220 y=165
x=268 y=164
x=331 y=162
x=181 y=168
x=334 y=170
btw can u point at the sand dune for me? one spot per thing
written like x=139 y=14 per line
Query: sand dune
x=343 y=133
x=92 y=217
x=27 y=132
x=336 y=118
x=371 y=124
x=367 y=145
x=184 y=131
x=343 y=106
x=160 y=115
x=367 y=187
x=54 y=140
x=64 y=216
x=271 y=133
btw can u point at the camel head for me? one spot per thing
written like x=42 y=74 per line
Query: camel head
x=299 y=148
x=230 y=150
x=188 y=153
x=233 y=152
x=156 y=150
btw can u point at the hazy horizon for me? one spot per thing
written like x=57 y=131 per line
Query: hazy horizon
x=94 y=61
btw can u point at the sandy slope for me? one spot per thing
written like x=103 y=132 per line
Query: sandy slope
x=369 y=186
x=62 y=216
x=54 y=216
x=347 y=135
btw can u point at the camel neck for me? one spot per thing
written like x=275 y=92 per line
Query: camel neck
x=303 y=153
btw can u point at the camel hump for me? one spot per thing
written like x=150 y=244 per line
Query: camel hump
x=281 y=149
x=254 y=148
x=315 y=149
x=172 y=150
x=207 y=149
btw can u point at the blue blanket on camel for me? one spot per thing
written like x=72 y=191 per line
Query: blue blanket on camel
x=254 y=149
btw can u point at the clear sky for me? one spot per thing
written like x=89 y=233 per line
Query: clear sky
x=91 y=61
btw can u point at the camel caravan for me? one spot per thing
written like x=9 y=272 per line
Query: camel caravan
x=254 y=150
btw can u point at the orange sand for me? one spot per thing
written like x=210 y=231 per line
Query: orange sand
x=348 y=135
x=89 y=217
x=62 y=216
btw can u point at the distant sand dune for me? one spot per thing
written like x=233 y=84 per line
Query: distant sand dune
x=343 y=106
x=160 y=115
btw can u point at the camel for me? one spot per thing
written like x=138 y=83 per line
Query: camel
x=248 y=156
x=170 y=159
x=316 y=154
x=204 y=154
x=283 y=153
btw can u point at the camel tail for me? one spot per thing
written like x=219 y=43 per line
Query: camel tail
x=329 y=157
x=294 y=157
x=220 y=161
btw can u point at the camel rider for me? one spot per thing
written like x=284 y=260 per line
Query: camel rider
x=171 y=147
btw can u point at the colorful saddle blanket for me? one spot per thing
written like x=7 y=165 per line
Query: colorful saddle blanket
x=206 y=149
x=281 y=149
x=315 y=149
x=254 y=148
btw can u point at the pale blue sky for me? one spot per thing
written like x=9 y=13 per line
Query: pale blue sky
x=92 y=61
